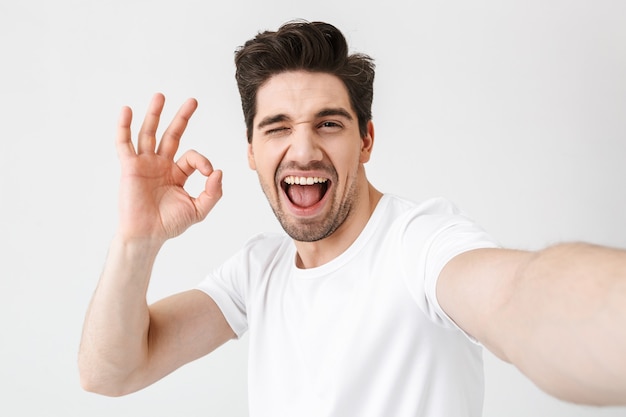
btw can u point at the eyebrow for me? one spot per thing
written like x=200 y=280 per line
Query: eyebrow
x=334 y=111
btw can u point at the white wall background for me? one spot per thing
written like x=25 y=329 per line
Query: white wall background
x=515 y=110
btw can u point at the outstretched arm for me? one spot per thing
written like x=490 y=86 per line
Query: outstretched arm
x=126 y=344
x=559 y=315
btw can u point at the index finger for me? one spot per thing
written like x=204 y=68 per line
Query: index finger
x=171 y=137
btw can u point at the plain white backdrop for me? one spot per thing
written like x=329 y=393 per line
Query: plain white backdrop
x=515 y=110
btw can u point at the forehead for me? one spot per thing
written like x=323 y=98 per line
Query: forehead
x=300 y=93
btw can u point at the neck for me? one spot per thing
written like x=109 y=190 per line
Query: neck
x=314 y=254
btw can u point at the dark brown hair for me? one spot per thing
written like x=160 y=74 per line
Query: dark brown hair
x=309 y=46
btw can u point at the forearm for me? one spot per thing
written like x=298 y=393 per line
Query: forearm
x=115 y=334
x=564 y=323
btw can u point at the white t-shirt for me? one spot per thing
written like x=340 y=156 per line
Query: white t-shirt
x=362 y=335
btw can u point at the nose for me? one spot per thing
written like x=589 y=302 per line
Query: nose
x=304 y=147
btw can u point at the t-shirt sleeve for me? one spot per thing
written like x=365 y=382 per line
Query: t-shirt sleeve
x=226 y=285
x=433 y=236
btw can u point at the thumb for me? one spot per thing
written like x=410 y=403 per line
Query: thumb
x=211 y=194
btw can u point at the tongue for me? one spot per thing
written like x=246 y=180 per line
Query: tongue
x=305 y=195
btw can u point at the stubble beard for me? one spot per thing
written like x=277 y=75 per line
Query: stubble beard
x=313 y=230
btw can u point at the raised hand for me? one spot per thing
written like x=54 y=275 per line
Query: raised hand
x=153 y=203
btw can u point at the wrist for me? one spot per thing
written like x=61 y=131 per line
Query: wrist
x=136 y=248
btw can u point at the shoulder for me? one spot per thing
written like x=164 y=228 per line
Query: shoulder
x=266 y=243
x=431 y=206
x=263 y=249
x=427 y=216
x=436 y=225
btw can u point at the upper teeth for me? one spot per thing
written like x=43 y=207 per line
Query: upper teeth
x=304 y=180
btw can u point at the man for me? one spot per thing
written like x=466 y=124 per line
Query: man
x=370 y=305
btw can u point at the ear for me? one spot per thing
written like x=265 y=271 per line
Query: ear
x=367 y=143
x=251 y=162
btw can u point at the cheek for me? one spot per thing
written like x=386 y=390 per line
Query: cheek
x=346 y=161
x=258 y=158
x=265 y=167
x=268 y=159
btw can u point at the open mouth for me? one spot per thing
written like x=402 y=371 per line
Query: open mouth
x=305 y=192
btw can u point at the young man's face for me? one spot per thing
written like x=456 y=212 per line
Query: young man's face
x=308 y=153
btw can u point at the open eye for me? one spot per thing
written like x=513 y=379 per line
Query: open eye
x=330 y=126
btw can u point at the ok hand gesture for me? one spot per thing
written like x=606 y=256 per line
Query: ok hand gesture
x=153 y=203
